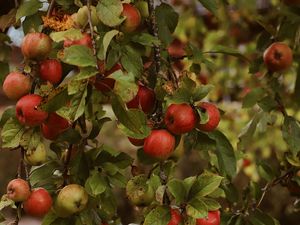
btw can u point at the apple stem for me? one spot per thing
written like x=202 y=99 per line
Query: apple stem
x=164 y=181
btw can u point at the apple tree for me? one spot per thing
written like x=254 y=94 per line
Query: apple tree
x=213 y=80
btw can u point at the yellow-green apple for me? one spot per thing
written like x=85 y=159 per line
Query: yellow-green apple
x=36 y=157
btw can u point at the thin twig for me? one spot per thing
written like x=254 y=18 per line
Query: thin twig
x=16 y=3
x=92 y=29
x=66 y=165
x=164 y=180
x=51 y=6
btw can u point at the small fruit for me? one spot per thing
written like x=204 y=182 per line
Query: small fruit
x=36 y=46
x=16 y=85
x=136 y=142
x=71 y=199
x=145 y=99
x=36 y=157
x=278 y=57
x=246 y=163
x=53 y=126
x=143 y=8
x=133 y=18
x=177 y=49
x=180 y=118
x=18 y=190
x=39 y=203
x=213 y=218
x=159 y=144
x=27 y=110
x=51 y=70
x=213 y=117
x=176 y=217
x=139 y=192
x=86 y=40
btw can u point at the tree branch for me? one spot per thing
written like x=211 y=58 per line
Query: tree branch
x=51 y=6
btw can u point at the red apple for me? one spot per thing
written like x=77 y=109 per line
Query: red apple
x=159 y=144
x=39 y=203
x=145 y=99
x=27 y=110
x=136 y=142
x=54 y=126
x=278 y=57
x=176 y=217
x=16 y=85
x=180 y=118
x=133 y=18
x=246 y=163
x=18 y=190
x=213 y=218
x=86 y=40
x=36 y=46
x=176 y=49
x=51 y=70
x=103 y=83
x=213 y=117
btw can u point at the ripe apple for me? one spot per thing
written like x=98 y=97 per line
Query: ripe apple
x=27 y=110
x=176 y=49
x=180 y=118
x=136 y=142
x=213 y=117
x=86 y=40
x=39 y=203
x=36 y=157
x=16 y=85
x=103 y=83
x=278 y=57
x=71 y=199
x=18 y=190
x=143 y=8
x=36 y=46
x=53 y=126
x=133 y=18
x=159 y=144
x=51 y=70
x=213 y=218
x=145 y=99
x=176 y=217
x=139 y=192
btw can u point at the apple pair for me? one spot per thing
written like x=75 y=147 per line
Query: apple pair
x=37 y=202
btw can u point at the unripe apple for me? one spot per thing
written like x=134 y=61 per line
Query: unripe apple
x=133 y=18
x=16 y=85
x=143 y=8
x=103 y=83
x=86 y=40
x=180 y=118
x=139 y=192
x=18 y=190
x=136 y=142
x=71 y=199
x=36 y=157
x=213 y=218
x=27 y=110
x=213 y=117
x=176 y=217
x=278 y=57
x=53 y=126
x=145 y=99
x=159 y=144
x=51 y=70
x=39 y=203
x=36 y=46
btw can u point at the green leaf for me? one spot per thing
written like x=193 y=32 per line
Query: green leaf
x=72 y=34
x=4 y=70
x=228 y=51
x=201 y=92
x=50 y=218
x=177 y=189
x=109 y=12
x=265 y=171
x=7 y=114
x=85 y=73
x=32 y=23
x=105 y=43
x=11 y=133
x=197 y=208
x=205 y=184
x=6 y=202
x=79 y=55
x=57 y=101
x=167 y=20
x=158 y=216
x=211 y=204
x=95 y=184
x=253 y=97
x=132 y=62
x=225 y=153
x=31 y=139
x=146 y=39
x=43 y=173
x=260 y=218
x=28 y=8
x=211 y=5
x=291 y=134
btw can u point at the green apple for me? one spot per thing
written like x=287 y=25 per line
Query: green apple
x=71 y=199
x=36 y=157
x=143 y=7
